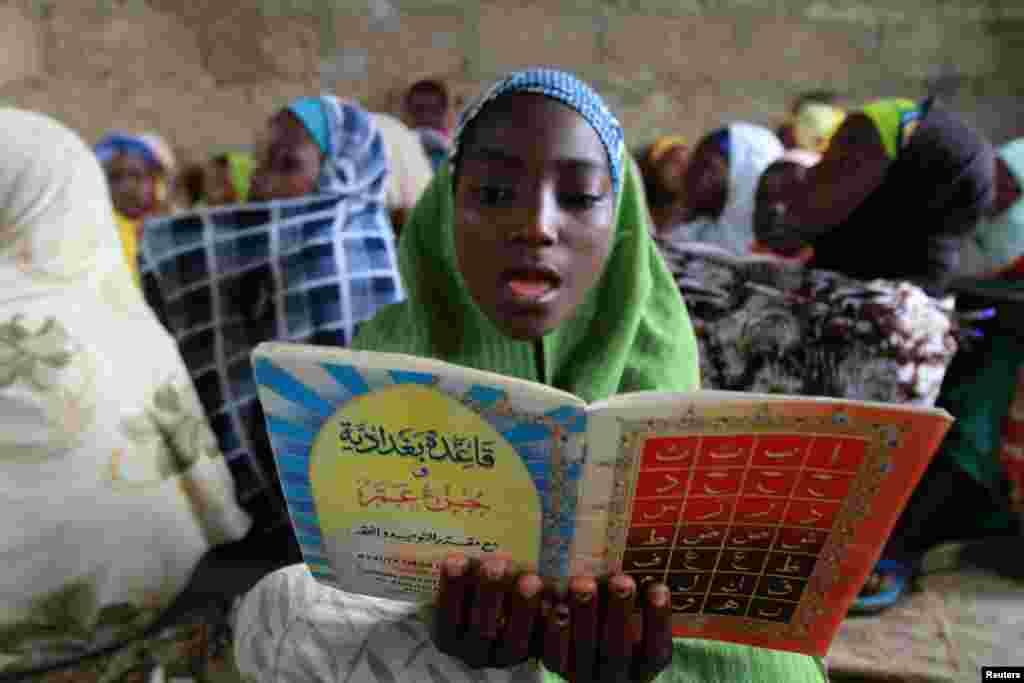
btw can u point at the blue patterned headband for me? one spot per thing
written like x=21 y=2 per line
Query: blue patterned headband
x=568 y=90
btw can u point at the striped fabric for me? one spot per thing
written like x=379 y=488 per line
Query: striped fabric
x=224 y=279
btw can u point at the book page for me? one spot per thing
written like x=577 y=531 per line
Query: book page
x=764 y=515
x=389 y=463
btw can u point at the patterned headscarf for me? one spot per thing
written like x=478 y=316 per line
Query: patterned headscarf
x=568 y=90
x=126 y=143
x=355 y=160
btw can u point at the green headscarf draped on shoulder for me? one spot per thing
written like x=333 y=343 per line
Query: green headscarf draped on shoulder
x=632 y=333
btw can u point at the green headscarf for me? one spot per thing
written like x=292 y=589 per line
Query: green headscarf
x=632 y=332
x=890 y=117
x=240 y=167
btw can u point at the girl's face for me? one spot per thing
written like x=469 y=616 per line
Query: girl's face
x=427 y=108
x=132 y=185
x=287 y=163
x=778 y=185
x=534 y=213
x=220 y=189
x=671 y=169
x=1008 y=189
x=707 y=181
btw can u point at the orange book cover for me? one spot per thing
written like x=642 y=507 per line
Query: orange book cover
x=765 y=519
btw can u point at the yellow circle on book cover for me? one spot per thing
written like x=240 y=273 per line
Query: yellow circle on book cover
x=407 y=474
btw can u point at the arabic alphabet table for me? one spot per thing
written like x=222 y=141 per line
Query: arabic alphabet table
x=735 y=524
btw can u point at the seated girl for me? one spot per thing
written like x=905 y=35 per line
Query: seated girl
x=226 y=179
x=898 y=189
x=530 y=255
x=302 y=279
x=720 y=183
x=663 y=167
x=777 y=185
x=111 y=483
x=139 y=171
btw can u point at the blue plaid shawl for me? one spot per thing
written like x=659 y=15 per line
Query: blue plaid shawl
x=224 y=279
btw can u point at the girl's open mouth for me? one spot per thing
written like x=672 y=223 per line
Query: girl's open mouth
x=532 y=284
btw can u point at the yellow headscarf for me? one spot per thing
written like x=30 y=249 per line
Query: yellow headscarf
x=663 y=145
x=128 y=230
x=815 y=124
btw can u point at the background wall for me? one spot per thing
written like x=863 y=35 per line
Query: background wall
x=207 y=73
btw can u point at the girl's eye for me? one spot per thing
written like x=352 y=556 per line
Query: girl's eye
x=491 y=195
x=581 y=201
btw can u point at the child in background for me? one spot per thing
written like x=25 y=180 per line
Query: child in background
x=226 y=179
x=428 y=111
x=140 y=170
x=663 y=166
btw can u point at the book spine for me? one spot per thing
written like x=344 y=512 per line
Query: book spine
x=595 y=509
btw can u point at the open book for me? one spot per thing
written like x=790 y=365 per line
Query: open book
x=762 y=513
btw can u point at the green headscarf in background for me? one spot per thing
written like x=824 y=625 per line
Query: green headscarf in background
x=631 y=333
x=240 y=167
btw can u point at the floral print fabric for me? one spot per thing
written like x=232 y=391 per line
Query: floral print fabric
x=111 y=485
x=771 y=327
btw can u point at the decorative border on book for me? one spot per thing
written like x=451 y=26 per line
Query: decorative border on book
x=882 y=440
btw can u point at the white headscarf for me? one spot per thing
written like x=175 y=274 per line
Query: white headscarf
x=112 y=482
x=752 y=149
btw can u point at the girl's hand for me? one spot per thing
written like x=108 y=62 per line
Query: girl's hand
x=487 y=617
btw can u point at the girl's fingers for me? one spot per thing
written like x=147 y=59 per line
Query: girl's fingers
x=619 y=631
x=521 y=613
x=656 y=652
x=452 y=603
x=584 y=616
x=484 y=626
x=557 y=637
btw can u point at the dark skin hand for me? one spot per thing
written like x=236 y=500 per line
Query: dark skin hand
x=491 y=616
x=534 y=220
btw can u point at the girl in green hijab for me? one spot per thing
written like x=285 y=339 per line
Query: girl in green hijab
x=529 y=255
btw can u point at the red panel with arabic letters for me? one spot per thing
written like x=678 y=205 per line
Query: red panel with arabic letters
x=723 y=451
x=780 y=450
x=735 y=524
x=653 y=512
x=708 y=510
x=669 y=452
x=661 y=484
x=837 y=454
x=716 y=482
